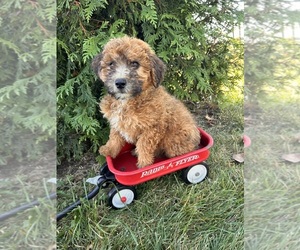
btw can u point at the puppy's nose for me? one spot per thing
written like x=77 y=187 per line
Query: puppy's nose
x=120 y=83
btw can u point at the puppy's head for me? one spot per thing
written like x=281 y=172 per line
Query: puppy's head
x=128 y=66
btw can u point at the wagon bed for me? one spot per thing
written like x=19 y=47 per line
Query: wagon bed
x=124 y=166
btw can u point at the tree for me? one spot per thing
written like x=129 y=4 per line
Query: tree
x=270 y=60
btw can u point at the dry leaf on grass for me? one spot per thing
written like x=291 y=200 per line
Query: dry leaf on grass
x=294 y=158
x=210 y=119
x=239 y=157
x=90 y=247
x=297 y=137
x=52 y=247
x=207 y=117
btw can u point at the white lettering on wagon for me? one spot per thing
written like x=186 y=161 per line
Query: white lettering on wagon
x=170 y=165
x=186 y=160
x=152 y=171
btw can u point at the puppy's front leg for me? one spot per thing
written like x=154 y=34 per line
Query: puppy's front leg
x=113 y=145
x=146 y=147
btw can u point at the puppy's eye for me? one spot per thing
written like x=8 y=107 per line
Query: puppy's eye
x=134 y=64
x=112 y=63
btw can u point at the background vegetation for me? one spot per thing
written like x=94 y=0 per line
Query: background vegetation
x=27 y=79
x=190 y=36
x=271 y=60
x=272 y=87
x=27 y=121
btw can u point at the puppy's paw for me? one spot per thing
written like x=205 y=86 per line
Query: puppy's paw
x=144 y=162
x=104 y=150
x=107 y=151
x=134 y=153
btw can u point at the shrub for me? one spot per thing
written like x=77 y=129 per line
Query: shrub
x=27 y=78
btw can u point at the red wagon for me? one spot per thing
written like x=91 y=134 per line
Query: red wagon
x=124 y=172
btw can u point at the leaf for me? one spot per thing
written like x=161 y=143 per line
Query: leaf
x=52 y=247
x=148 y=13
x=294 y=158
x=92 y=6
x=239 y=157
x=207 y=117
x=210 y=120
x=90 y=247
x=48 y=49
x=296 y=137
x=10 y=45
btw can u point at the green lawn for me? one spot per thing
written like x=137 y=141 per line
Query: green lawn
x=272 y=190
x=34 y=228
x=168 y=214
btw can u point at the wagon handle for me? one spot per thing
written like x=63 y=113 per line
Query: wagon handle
x=92 y=194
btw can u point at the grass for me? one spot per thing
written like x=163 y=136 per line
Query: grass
x=168 y=213
x=34 y=228
x=272 y=191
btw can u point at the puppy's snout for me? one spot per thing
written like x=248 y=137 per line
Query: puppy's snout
x=120 y=83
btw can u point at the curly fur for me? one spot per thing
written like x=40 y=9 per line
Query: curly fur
x=139 y=110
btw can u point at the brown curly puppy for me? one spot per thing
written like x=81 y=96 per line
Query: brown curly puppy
x=139 y=110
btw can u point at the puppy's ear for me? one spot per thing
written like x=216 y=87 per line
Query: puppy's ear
x=158 y=70
x=96 y=63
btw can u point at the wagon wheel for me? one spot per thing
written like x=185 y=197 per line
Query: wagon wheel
x=196 y=173
x=121 y=196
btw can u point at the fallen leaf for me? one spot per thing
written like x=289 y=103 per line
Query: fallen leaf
x=209 y=118
x=297 y=137
x=239 y=157
x=294 y=158
x=52 y=247
x=89 y=247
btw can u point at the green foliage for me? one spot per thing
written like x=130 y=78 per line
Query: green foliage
x=270 y=60
x=271 y=65
x=27 y=78
x=190 y=36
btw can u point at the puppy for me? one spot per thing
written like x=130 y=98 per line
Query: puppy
x=139 y=110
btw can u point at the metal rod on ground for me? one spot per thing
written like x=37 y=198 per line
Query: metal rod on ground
x=68 y=209
x=24 y=207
